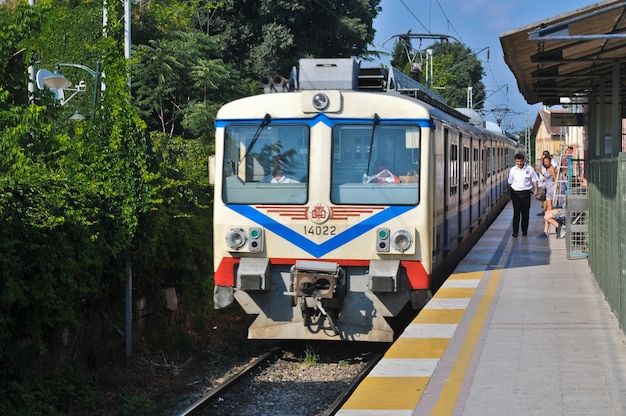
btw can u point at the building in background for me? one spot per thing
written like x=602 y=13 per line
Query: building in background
x=552 y=135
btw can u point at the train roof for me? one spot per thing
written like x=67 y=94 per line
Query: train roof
x=394 y=80
x=347 y=74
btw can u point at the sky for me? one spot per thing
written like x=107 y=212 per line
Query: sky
x=477 y=24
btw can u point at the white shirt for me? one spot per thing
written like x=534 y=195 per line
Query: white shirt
x=284 y=179
x=522 y=179
x=554 y=163
x=542 y=179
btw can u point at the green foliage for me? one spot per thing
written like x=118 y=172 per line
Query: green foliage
x=57 y=393
x=71 y=32
x=173 y=244
x=18 y=23
x=266 y=37
x=455 y=67
x=136 y=405
x=311 y=356
x=162 y=18
x=77 y=199
x=399 y=58
x=73 y=199
x=181 y=74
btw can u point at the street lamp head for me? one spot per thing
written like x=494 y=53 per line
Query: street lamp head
x=57 y=81
x=77 y=116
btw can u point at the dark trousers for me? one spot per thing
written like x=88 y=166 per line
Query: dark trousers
x=521 y=207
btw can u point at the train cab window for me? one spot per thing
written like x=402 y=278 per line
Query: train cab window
x=266 y=164
x=375 y=164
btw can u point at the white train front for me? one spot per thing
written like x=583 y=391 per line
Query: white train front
x=310 y=235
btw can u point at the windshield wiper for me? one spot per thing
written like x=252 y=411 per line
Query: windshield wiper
x=374 y=124
x=266 y=120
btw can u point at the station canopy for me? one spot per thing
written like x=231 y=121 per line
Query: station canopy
x=568 y=55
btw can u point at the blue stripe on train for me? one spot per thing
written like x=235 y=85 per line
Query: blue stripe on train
x=330 y=122
x=314 y=249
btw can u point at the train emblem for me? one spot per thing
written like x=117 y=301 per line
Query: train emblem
x=319 y=214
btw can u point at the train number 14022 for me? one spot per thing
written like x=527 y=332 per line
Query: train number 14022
x=320 y=230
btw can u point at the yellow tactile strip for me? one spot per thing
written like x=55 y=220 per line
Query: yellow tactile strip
x=395 y=386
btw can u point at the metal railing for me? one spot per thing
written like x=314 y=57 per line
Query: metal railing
x=607 y=230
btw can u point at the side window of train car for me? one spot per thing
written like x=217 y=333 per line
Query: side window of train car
x=371 y=165
x=266 y=165
x=499 y=158
x=483 y=166
x=454 y=174
x=488 y=161
x=466 y=167
x=475 y=166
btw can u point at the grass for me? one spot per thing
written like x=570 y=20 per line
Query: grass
x=311 y=357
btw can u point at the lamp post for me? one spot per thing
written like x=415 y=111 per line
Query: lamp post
x=58 y=81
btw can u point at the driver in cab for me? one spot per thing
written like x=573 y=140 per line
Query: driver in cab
x=383 y=175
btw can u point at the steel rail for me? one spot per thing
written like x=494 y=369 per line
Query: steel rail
x=212 y=394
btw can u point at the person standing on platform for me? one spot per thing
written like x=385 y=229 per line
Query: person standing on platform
x=522 y=180
x=541 y=194
x=553 y=161
x=549 y=174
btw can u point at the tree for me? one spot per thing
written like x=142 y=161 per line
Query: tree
x=263 y=38
x=71 y=198
x=77 y=198
x=399 y=58
x=455 y=68
x=181 y=74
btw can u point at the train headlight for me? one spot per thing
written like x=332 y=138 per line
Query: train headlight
x=236 y=238
x=320 y=101
x=401 y=241
x=382 y=240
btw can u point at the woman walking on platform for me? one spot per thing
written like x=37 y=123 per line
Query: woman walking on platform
x=549 y=174
x=522 y=179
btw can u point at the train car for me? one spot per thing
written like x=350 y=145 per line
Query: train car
x=345 y=194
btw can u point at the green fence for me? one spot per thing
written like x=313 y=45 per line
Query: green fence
x=607 y=230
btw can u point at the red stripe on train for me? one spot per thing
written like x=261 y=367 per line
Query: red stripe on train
x=418 y=278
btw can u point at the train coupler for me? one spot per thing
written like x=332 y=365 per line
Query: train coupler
x=319 y=288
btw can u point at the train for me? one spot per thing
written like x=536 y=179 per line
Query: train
x=345 y=194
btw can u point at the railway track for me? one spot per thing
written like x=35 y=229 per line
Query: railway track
x=276 y=381
x=341 y=399
x=214 y=393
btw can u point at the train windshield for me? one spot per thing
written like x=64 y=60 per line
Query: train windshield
x=375 y=164
x=266 y=164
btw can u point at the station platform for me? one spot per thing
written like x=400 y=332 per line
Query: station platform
x=517 y=329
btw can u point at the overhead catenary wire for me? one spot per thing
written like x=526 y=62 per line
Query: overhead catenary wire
x=490 y=74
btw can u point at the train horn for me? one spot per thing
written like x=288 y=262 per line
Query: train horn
x=280 y=83
x=266 y=84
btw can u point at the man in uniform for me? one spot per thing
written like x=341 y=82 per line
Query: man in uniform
x=522 y=179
